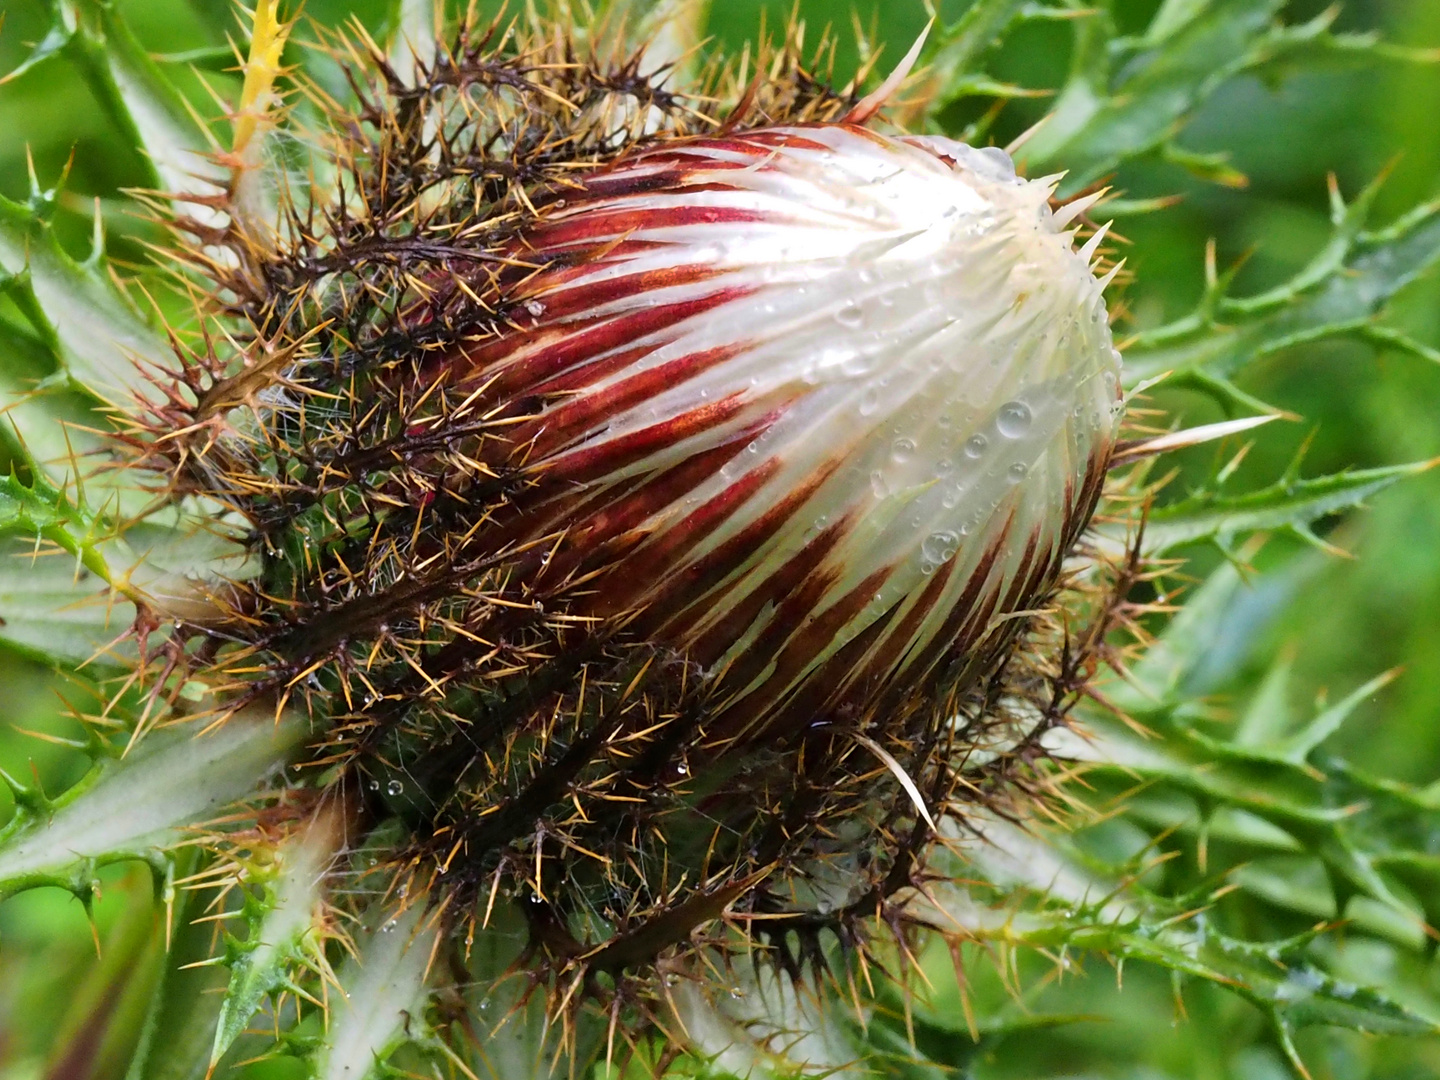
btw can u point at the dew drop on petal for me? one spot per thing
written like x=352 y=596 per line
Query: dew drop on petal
x=394 y=787
x=975 y=446
x=1016 y=472
x=999 y=161
x=850 y=316
x=902 y=449
x=940 y=546
x=1013 y=420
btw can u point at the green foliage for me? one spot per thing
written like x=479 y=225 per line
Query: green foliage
x=1214 y=853
x=133 y=807
x=1292 y=504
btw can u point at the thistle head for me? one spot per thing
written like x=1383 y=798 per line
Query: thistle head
x=653 y=513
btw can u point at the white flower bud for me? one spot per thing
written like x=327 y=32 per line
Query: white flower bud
x=843 y=401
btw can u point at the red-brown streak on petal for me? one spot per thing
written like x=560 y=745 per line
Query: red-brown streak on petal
x=578 y=377
x=568 y=265
x=752 y=716
x=878 y=668
x=583 y=296
x=548 y=350
x=1017 y=596
x=784 y=582
x=676 y=541
x=594 y=224
x=830 y=686
x=627 y=180
x=690 y=587
x=769 y=139
x=1097 y=469
x=795 y=609
x=686 y=153
x=542 y=509
x=592 y=462
x=630 y=509
x=562 y=425
x=669 y=164
x=645 y=172
x=968 y=618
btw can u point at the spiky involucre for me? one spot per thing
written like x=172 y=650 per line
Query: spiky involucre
x=650 y=507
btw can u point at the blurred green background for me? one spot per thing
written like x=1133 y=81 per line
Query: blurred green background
x=1343 y=619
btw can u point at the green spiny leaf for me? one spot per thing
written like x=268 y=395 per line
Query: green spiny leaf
x=176 y=1034
x=132 y=90
x=1288 y=504
x=100 y=336
x=955 y=49
x=381 y=1001
x=283 y=931
x=1098 y=123
x=1341 y=293
x=1079 y=908
x=132 y=807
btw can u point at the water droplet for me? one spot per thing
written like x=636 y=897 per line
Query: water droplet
x=389 y=926
x=975 y=446
x=1013 y=420
x=939 y=547
x=374 y=785
x=850 y=316
x=869 y=401
x=1016 y=472
x=879 y=485
x=394 y=787
x=927 y=567
x=998 y=160
x=902 y=449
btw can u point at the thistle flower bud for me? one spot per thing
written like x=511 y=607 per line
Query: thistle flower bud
x=652 y=521
x=826 y=405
